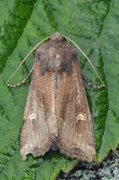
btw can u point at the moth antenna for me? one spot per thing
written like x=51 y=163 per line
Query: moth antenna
x=23 y=81
x=86 y=58
x=34 y=48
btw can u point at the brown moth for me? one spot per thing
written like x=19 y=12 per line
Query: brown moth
x=57 y=114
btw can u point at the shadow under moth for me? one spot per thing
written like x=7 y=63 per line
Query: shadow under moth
x=57 y=114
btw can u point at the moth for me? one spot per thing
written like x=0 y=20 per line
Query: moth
x=57 y=114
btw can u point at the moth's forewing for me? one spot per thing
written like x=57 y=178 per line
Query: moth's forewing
x=76 y=137
x=39 y=128
x=57 y=113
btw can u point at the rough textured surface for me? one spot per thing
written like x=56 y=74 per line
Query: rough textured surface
x=107 y=170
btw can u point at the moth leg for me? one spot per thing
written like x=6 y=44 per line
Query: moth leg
x=22 y=82
x=89 y=83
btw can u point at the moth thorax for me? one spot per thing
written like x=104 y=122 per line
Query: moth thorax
x=55 y=63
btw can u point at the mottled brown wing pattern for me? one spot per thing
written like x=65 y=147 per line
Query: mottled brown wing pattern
x=57 y=114
x=75 y=127
x=40 y=126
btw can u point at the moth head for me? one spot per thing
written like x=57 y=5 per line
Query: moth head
x=57 y=37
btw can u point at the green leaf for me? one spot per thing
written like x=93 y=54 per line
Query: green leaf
x=53 y=164
x=94 y=26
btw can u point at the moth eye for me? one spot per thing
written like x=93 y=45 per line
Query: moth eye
x=49 y=39
x=64 y=39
